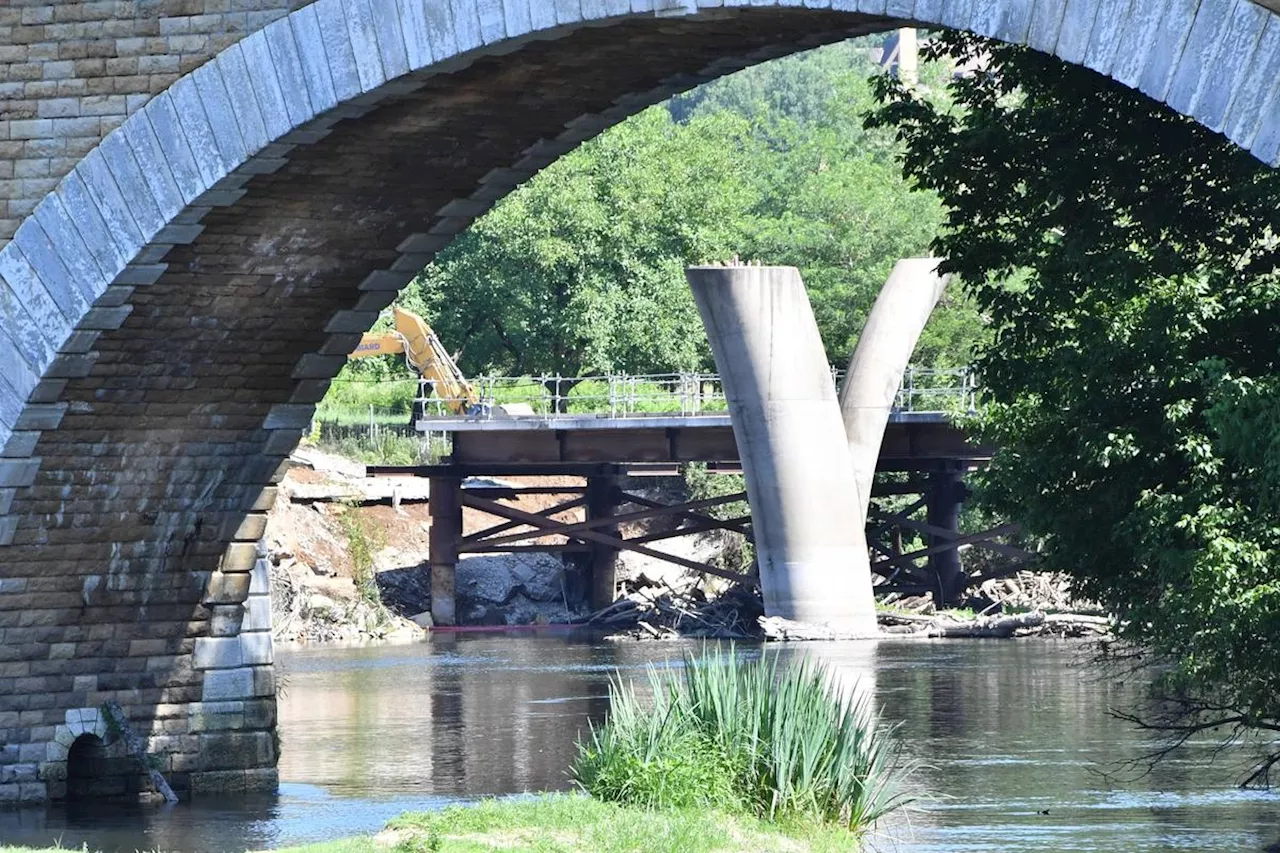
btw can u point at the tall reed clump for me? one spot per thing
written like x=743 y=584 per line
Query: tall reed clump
x=782 y=741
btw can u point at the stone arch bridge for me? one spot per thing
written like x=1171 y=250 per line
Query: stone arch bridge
x=204 y=202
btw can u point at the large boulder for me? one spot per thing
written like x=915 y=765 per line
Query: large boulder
x=485 y=578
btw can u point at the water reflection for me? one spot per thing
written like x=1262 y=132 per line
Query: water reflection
x=470 y=717
x=1014 y=738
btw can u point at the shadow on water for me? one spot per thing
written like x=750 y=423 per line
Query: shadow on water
x=1011 y=736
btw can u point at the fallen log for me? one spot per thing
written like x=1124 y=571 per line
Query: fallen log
x=137 y=747
x=1077 y=619
x=993 y=627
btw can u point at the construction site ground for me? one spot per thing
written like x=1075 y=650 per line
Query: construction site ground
x=321 y=591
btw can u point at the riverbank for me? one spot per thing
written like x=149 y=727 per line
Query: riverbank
x=349 y=554
x=573 y=823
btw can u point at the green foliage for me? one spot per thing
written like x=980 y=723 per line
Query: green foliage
x=1132 y=374
x=431 y=842
x=782 y=742
x=353 y=393
x=739 y=552
x=384 y=447
x=363 y=541
x=581 y=269
x=652 y=758
x=702 y=484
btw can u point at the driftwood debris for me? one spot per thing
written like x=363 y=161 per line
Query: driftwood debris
x=665 y=609
x=996 y=627
x=945 y=625
x=906 y=625
x=950 y=625
x=137 y=747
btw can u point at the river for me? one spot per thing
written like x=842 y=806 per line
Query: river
x=1017 y=747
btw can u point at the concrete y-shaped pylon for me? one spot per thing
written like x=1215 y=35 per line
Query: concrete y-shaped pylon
x=875 y=371
x=806 y=509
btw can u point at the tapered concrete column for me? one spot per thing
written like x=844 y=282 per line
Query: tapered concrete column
x=782 y=402
x=875 y=370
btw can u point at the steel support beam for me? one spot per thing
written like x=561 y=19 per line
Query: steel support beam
x=946 y=496
x=446 y=535
x=602 y=501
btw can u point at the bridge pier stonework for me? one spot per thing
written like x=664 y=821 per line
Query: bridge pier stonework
x=795 y=457
x=205 y=204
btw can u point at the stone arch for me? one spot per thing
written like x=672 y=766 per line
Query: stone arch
x=173 y=310
x=82 y=736
x=85 y=762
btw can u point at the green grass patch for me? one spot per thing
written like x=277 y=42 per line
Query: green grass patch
x=385 y=448
x=780 y=742
x=572 y=823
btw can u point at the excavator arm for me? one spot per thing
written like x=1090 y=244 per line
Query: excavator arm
x=378 y=344
x=425 y=353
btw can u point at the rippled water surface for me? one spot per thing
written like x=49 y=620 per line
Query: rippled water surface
x=1018 y=749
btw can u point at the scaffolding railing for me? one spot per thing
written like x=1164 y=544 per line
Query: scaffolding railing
x=923 y=390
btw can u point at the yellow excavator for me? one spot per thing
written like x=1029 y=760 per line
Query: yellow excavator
x=427 y=356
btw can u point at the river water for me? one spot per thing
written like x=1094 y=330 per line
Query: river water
x=1018 y=749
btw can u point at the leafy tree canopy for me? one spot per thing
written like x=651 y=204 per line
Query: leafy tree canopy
x=1132 y=372
x=581 y=269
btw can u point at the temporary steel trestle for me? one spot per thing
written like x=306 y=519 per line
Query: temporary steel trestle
x=592 y=535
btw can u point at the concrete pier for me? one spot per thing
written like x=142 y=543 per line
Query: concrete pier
x=811 y=550
x=875 y=370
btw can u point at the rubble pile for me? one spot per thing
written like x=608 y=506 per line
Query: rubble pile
x=310 y=607
x=680 y=606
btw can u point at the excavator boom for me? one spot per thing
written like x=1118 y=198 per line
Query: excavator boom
x=425 y=353
x=378 y=344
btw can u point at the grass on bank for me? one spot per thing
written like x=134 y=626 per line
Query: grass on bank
x=573 y=823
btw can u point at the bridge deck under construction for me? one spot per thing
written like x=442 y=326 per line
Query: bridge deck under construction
x=913 y=441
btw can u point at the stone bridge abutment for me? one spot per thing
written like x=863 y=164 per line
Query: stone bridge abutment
x=207 y=201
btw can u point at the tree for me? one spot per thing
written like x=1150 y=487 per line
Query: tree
x=1127 y=259
x=833 y=201
x=581 y=269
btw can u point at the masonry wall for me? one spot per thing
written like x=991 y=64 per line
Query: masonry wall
x=71 y=72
